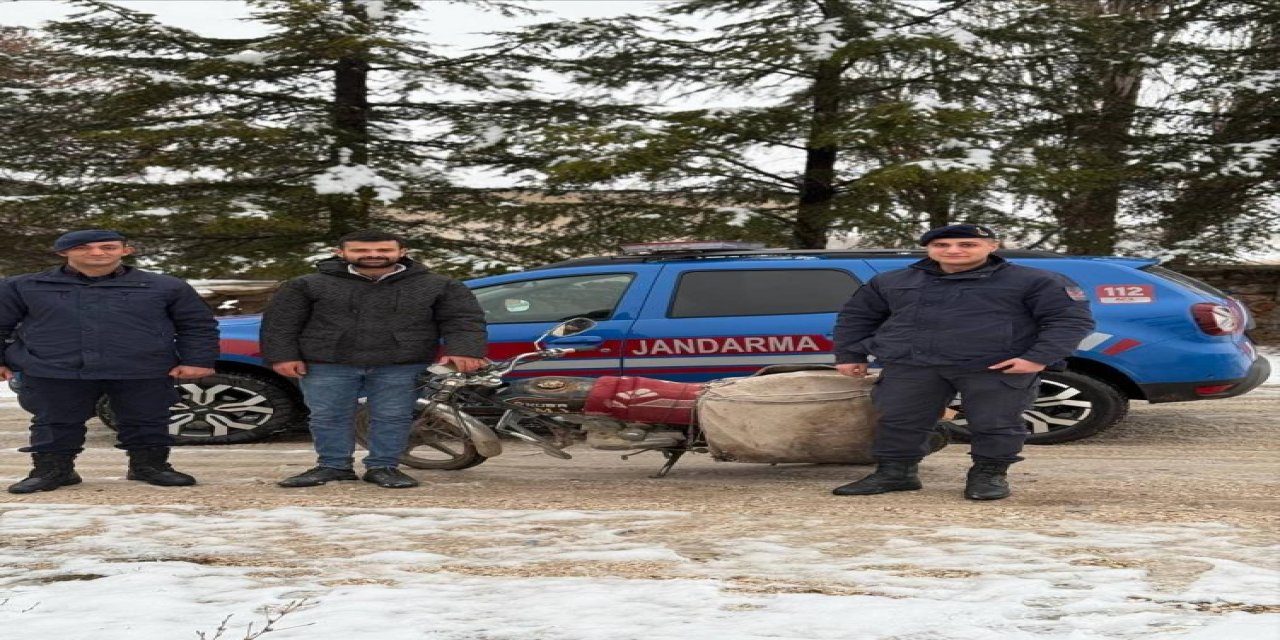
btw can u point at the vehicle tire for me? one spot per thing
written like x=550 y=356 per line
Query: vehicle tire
x=1070 y=406
x=436 y=442
x=230 y=407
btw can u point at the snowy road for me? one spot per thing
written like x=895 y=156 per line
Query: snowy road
x=1162 y=529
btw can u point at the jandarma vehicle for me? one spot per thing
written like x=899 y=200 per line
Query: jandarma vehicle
x=701 y=311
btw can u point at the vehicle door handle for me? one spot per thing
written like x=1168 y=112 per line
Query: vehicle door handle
x=577 y=341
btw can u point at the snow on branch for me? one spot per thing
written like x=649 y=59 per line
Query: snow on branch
x=351 y=178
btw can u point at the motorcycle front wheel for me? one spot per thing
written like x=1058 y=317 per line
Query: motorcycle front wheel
x=437 y=441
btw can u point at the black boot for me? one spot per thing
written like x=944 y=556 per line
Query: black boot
x=890 y=475
x=49 y=471
x=987 y=481
x=152 y=467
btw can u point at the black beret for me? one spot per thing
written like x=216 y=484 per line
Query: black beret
x=85 y=236
x=958 y=231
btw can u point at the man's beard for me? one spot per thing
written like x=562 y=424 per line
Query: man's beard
x=372 y=263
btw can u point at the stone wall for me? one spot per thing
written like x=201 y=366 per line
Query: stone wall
x=1258 y=286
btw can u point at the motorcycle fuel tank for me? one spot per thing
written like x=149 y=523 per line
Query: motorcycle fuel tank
x=548 y=394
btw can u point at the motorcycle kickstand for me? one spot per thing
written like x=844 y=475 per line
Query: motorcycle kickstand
x=672 y=458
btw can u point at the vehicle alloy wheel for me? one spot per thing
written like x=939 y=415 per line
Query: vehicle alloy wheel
x=1069 y=406
x=226 y=408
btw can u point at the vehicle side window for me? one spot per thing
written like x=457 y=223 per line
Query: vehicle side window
x=554 y=299
x=761 y=292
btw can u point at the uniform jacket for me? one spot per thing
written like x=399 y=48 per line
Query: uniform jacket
x=338 y=317
x=923 y=316
x=135 y=325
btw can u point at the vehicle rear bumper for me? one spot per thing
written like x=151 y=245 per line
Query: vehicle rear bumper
x=1258 y=373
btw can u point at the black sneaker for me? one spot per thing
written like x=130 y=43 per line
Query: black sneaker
x=390 y=478
x=317 y=476
x=987 y=481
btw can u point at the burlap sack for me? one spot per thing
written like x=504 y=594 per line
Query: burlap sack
x=802 y=416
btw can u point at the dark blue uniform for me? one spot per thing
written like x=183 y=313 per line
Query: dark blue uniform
x=76 y=338
x=935 y=333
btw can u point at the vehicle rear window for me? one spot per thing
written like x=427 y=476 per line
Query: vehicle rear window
x=1186 y=280
x=761 y=292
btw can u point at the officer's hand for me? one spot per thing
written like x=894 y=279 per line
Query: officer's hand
x=853 y=370
x=464 y=363
x=290 y=368
x=6 y=374
x=183 y=372
x=1017 y=365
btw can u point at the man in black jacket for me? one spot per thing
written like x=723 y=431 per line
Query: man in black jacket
x=95 y=326
x=960 y=320
x=366 y=326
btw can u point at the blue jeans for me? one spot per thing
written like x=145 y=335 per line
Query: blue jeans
x=331 y=392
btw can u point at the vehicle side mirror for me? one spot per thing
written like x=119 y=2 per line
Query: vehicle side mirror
x=572 y=327
x=567 y=328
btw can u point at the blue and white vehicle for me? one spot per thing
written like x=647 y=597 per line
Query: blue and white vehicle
x=700 y=311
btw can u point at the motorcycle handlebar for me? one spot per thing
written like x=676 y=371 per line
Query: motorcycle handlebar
x=503 y=368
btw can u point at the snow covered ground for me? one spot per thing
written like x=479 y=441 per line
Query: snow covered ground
x=8 y=399
x=75 y=572
x=131 y=572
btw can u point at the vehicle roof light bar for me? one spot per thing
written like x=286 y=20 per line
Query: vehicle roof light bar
x=649 y=248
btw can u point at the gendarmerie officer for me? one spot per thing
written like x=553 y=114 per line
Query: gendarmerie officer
x=95 y=326
x=960 y=320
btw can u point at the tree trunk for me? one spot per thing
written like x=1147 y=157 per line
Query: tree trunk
x=350 y=212
x=1102 y=133
x=817 y=190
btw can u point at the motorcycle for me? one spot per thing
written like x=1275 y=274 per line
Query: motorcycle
x=463 y=418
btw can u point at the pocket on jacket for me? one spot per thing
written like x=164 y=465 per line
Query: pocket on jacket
x=415 y=345
x=901 y=296
x=321 y=346
x=973 y=340
x=37 y=295
x=137 y=301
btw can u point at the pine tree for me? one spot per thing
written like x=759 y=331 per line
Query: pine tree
x=851 y=122
x=1225 y=169
x=796 y=122
x=1110 y=104
x=247 y=156
x=1060 y=122
x=40 y=111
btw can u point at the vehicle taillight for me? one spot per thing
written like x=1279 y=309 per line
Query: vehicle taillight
x=1213 y=389
x=1216 y=319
